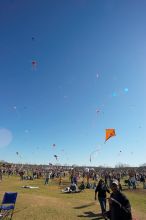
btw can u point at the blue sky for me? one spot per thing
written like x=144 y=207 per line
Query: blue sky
x=89 y=54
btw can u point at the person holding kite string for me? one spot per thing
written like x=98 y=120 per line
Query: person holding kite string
x=120 y=208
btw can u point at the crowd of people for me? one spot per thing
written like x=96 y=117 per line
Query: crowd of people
x=103 y=180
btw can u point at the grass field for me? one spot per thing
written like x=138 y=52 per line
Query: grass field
x=49 y=203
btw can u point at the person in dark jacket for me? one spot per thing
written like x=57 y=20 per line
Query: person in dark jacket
x=101 y=188
x=82 y=186
x=120 y=208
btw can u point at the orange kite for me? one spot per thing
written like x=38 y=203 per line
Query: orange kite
x=109 y=133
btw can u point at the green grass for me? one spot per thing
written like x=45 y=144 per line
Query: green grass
x=49 y=203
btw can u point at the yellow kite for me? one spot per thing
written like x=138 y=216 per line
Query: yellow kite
x=109 y=133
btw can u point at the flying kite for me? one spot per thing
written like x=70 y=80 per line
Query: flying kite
x=56 y=157
x=97 y=150
x=93 y=152
x=109 y=133
x=97 y=110
x=34 y=64
x=17 y=153
x=119 y=153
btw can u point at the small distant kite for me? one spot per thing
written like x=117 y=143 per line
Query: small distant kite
x=56 y=157
x=97 y=110
x=17 y=153
x=34 y=64
x=119 y=153
x=109 y=133
x=33 y=38
x=93 y=152
x=53 y=145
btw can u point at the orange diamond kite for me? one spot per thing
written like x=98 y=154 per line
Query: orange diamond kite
x=109 y=133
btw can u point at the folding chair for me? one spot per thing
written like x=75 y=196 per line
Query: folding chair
x=8 y=205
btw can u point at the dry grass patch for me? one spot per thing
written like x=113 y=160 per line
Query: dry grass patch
x=48 y=203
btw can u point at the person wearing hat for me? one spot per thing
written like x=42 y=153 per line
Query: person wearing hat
x=120 y=208
x=101 y=188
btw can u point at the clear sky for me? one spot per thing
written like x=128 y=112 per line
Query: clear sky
x=69 y=69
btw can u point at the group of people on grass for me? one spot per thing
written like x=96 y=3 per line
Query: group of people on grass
x=103 y=181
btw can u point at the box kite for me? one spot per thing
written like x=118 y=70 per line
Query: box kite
x=109 y=133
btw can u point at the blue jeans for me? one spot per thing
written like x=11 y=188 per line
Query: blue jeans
x=102 y=202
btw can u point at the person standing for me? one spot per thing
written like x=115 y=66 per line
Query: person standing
x=60 y=180
x=47 y=177
x=120 y=208
x=101 y=188
x=1 y=175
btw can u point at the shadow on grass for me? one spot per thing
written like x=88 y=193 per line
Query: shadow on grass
x=85 y=206
x=92 y=215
